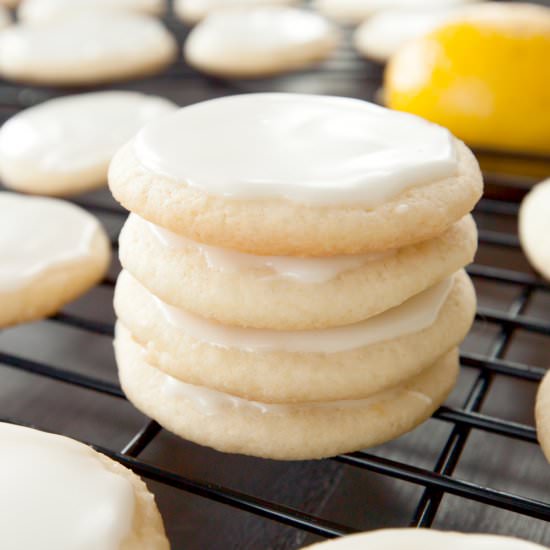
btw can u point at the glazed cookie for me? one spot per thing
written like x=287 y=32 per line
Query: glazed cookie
x=297 y=175
x=349 y=362
x=192 y=11
x=534 y=226
x=381 y=35
x=86 y=49
x=356 y=11
x=424 y=539
x=285 y=292
x=259 y=42
x=58 y=493
x=64 y=146
x=44 y=10
x=542 y=415
x=52 y=252
x=285 y=432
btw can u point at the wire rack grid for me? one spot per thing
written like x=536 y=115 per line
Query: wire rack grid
x=496 y=269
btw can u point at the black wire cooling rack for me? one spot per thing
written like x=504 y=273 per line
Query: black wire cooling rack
x=460 y=464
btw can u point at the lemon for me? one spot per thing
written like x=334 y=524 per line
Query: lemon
x=484 y=74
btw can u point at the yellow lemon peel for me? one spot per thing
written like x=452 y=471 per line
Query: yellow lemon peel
x=485 y=75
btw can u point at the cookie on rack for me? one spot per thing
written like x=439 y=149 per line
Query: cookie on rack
x=63 y=146
x=381 y=36
x=542 y=415
x=345 y=176
x=289 y=431
x=86 y=49
x=356 y=11
x=73 y=497
x=347 y=362
x=294 y=285
x=284 y=292
x=425 y=539
x=52 y=252
x=534 y=225
x=251 y=43
x=38 y=11
x=192 y=11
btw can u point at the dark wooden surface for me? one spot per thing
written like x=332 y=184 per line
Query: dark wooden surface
x=334 y=491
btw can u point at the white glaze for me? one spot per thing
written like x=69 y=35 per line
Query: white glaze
x=43 y=10
x=249 y=36
x=81 y=38
x=70 y=135
x=414 y=315
x=534 y=227
x=384 y=33
x=194 y=10
x=302 y=270
x=424 y=539
x=212 y=402
x=57 y=495
x=37 y=234
x=304 y=148
x=356 y=11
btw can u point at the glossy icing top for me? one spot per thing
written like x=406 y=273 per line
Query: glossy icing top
x=302 y=148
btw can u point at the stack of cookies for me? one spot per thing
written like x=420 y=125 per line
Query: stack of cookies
x=293 y=284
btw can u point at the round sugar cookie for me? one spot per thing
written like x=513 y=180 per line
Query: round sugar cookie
x=86 y=48
x=192 y=11
x=52 y=252
x=534 y=226
x=287 y=293
x=542 y=415
x=63 y=146
x=424 y=539
x=356 y=11
x=59 y=493
x=299 y=366
x=381 y=35
x=259 y=42
x=45 y=10
x=297 y=431
x=294 y=174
